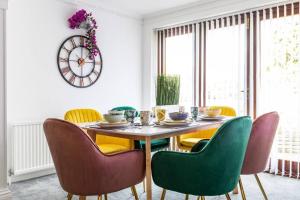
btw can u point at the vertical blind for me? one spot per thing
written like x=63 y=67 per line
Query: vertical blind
x=277 y=84
x=255 y=57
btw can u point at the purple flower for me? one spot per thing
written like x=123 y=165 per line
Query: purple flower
x=80 y=17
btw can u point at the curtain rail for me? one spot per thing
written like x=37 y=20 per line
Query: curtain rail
x=254 y=9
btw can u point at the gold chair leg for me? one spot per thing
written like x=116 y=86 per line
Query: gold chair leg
x=105 y=197
x=227 y=196
x=70 y=196
x=201 y=198
x=144 y=185
x=133 y=190
x=186 y=197
x=82 y=198
x=242 y=189
x=261 y=187
x=163 y=194
x=99 y=197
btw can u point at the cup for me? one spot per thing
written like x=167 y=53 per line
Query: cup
x=181 y=108
x=194 y=112
x=130 y=115
x=160 y=114
x=145 y=117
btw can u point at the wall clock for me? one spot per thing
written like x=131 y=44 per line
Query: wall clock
x=75 y=64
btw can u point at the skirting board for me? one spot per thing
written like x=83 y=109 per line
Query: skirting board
x=5 y=194
x=31 y=175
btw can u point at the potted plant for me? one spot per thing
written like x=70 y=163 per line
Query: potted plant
x=167 y=90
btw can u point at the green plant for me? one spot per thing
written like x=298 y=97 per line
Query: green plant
x=167 y=90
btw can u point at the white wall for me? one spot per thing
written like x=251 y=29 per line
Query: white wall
x=35 y=88
x=197 y=11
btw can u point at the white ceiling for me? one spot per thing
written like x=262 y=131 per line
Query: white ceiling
x=141 y=8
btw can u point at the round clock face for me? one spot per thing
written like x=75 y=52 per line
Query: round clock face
x=75 y=64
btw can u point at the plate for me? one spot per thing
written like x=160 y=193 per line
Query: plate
x=176 y=122
x=207 y=118
x=113 y=125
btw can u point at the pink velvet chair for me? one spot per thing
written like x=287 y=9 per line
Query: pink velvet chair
x=259 y=147
x=83 y=169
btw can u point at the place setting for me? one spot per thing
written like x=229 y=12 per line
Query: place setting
x=175 y=119
x=207 y=114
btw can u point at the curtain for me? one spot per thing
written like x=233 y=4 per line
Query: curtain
x=277 y=81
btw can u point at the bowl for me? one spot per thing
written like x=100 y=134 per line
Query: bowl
x=178 y=115
x=212 y=112
x=113 y=118
x=116 y=112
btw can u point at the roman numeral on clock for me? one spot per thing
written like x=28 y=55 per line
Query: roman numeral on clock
x=67 y=50
x=63 y=59
x=65 y=70
x=72 y=79
x=90 y=80
x=96 y=72
x=73 y=43
x=81 y=82
x=81 y=41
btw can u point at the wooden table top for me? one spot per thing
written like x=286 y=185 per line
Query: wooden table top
x=155 y=131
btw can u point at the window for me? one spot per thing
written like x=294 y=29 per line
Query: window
x=249 y=61
x=279 y=81
x=225 y=67
x=179 y=61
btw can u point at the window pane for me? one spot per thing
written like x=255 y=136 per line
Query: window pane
x=279 y=82
x=179 y=61
x=225 y=67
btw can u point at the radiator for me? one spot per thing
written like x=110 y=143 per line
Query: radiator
x=29 y=152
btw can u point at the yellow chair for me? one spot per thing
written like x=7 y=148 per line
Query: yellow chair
x=187 y=141
x=107 y=144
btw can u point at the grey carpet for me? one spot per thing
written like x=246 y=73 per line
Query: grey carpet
x=48 y=188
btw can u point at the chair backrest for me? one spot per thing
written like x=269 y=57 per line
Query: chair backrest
x=124 y=108
x=225 y=154
x=260 y=143
x=77 y=159
x=83 y=115
x=226 y=110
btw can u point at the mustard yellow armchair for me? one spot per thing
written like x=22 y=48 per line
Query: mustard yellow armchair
x=107 y=144
x=187 y=141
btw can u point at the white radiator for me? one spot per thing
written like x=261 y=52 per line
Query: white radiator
x=29 y=153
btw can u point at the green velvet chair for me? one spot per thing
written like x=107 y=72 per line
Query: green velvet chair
x=212 y=169
x=155 y=144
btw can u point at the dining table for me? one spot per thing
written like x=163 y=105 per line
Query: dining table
x=149 y=133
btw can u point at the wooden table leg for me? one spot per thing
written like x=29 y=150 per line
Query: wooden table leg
x=92 y=134
x=148 y=169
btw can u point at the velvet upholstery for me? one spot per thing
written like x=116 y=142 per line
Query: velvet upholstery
x=83 y=169
x=214 y=170
x=187 y=141
x=124 y=108
x=83 y=115
x=107 y=144
x=260 y=143
x=155 y=144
